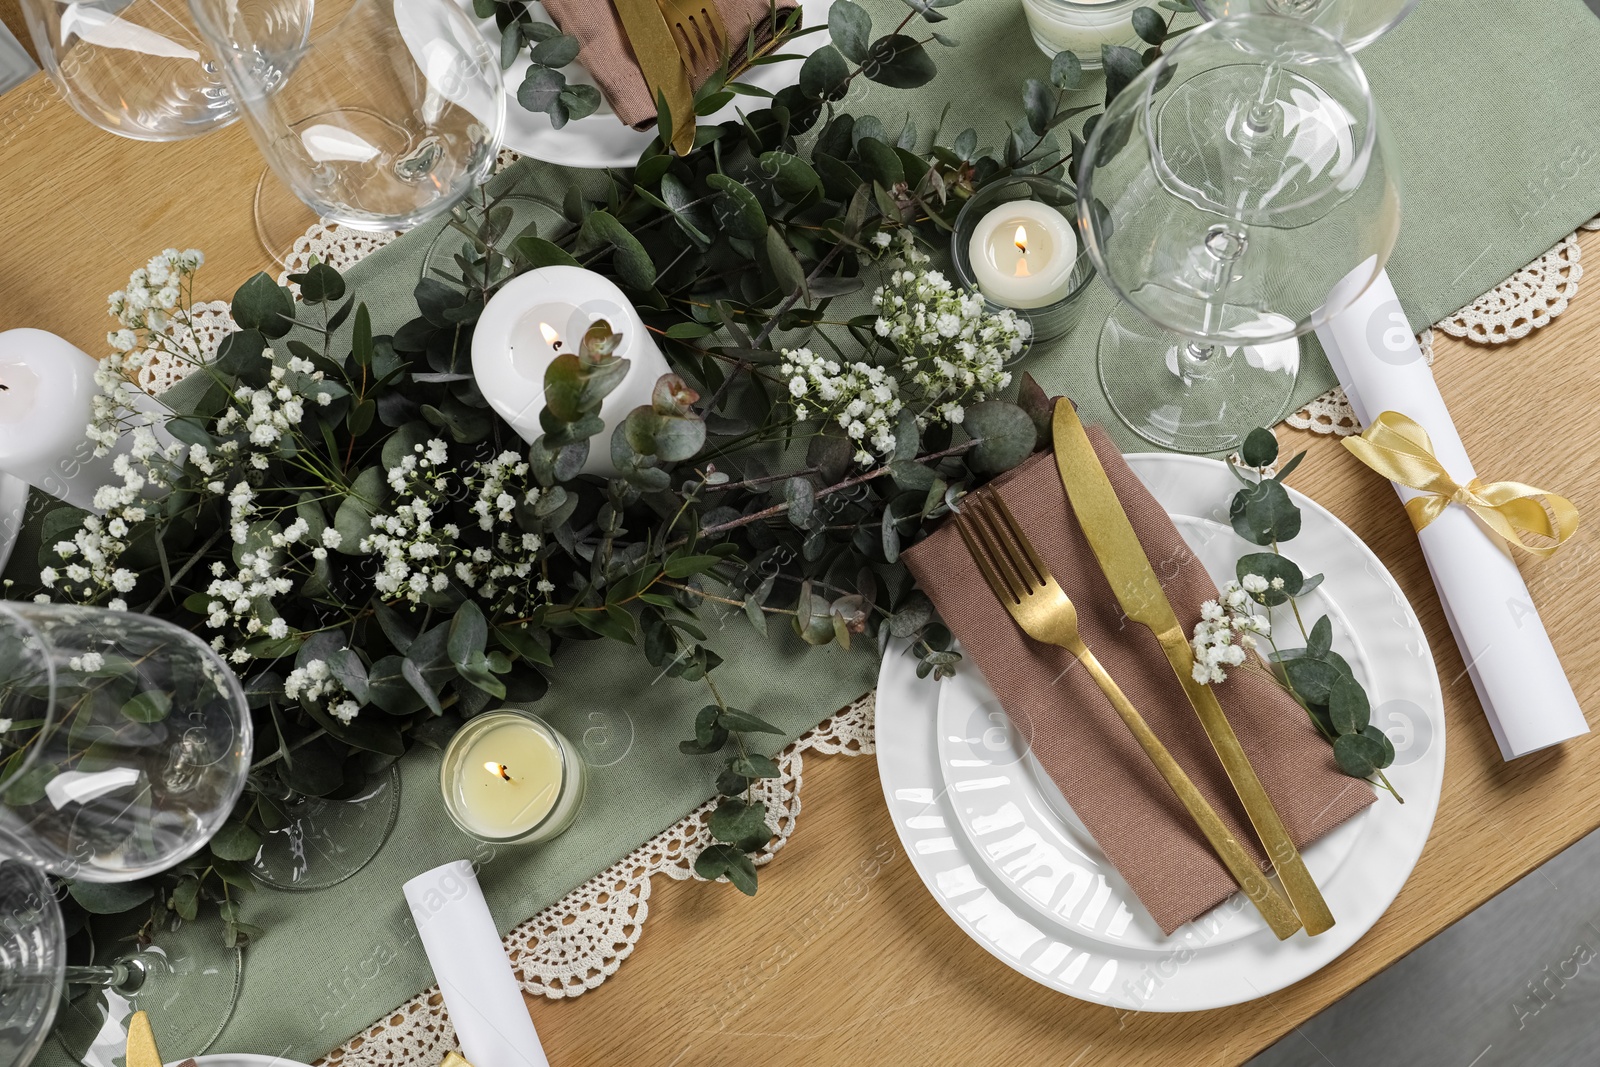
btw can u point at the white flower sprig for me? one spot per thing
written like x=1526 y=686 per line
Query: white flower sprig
x=1223 y=636
x=944 y=350
x=415 y=556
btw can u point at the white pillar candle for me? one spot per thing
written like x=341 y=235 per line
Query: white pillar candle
x=1023 y=253
x=541 y=315
x=508 y=776
x=1080 y=26
x=47 y=391
x=480 y=990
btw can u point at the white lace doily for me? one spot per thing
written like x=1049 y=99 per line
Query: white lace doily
x=1523 y=302
x=580 y=941
x=1516 y=307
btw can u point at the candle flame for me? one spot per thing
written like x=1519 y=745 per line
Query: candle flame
x=498 y=769
x=551 y=338
x=1022 y=239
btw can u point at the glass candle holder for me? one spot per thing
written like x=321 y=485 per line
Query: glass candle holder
x=1081 y=26
x=1017 y=242
x=509 y=777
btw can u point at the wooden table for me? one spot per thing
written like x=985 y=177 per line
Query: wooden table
x=844 y=956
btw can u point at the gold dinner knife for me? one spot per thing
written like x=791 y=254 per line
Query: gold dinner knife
x=1125 y=565
x=142 y=1042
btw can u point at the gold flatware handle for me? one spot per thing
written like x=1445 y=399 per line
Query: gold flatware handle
x=651 y=39
x=1291 y=867
x=142 y=1050
x=1279 y=915
x=1127 y=568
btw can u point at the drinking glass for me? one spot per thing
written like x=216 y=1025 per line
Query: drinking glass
x=1232 y=212
x=387 y=114
x=1353 y=23
x=188 y=965
x=139 y=68
x=33 y=956
x=124 y=741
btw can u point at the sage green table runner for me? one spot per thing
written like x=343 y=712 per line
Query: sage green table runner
x=1492 y=110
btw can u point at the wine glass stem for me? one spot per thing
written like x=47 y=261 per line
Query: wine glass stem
x=1258 y=122
x=125 y=976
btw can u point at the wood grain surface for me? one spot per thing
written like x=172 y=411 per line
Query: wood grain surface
x=844 y=956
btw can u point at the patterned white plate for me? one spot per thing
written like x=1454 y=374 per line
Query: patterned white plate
x=998 y=847
x=601 y=141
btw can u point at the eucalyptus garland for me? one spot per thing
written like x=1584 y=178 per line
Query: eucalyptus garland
x=382 y=557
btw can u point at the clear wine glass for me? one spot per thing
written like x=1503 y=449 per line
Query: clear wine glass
x=124 y=741
x=185 y=978
x=1353 y=23
x=1232 y=212
x=139 y=68
x=188 y=965
x=387 y=114
x=33 y=956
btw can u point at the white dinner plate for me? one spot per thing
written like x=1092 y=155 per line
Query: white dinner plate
x=1000 y=850
x=599 y=140
x=13 y=509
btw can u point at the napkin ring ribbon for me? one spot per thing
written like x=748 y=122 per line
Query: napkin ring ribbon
x=1400 y=450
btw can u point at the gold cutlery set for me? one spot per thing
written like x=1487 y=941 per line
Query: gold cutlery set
x=1042 y=609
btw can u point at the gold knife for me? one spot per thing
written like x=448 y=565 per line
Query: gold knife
x=661 y=65
x=142 y=1042
x=1125 y=565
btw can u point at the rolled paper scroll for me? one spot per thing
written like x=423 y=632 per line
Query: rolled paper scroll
x=480 y=991
x=1513 y=666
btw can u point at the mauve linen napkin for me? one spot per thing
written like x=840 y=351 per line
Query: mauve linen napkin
x=606 y=55
x=1077 y=736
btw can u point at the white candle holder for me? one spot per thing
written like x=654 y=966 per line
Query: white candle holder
x=45 y=411
x=466 y=782
x=1049 y=321
x=1082 y=26
x=538 y=316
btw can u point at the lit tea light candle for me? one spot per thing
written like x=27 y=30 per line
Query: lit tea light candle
x=508 y=776
x=544 y=314
x=1080 y=26
x=1023 y=253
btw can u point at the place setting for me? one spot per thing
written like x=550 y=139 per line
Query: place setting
x=706 y=367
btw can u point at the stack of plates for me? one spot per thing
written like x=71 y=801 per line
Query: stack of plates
x=1000 y=850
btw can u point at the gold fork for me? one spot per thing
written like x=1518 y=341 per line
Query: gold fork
x=1025 y=587
x=699 y=33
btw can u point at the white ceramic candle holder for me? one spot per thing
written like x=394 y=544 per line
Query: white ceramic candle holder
x=46 y=405
x=541 y=315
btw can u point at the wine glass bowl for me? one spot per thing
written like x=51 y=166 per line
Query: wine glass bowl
x=140 y=69
x=387 y=114
x=127 y=743
x=1353 y=23
x=1225 y=195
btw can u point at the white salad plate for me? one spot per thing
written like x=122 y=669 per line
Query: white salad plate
x=240 y=1059
x=1000 y=850
x=600 y=140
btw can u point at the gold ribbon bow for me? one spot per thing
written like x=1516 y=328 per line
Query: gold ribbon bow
x=1400 y=450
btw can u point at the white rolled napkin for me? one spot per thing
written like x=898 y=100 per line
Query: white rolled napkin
x=1519 y=679
x=480 y=991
